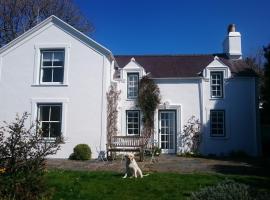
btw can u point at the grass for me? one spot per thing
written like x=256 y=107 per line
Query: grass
x=110 y=185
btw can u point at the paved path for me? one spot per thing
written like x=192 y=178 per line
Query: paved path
x=168 y=163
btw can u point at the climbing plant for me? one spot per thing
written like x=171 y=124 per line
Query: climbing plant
x=148 y=101
x=191 y=136
x=112 y=112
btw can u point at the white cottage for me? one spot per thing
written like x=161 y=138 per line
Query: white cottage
x=61 y=77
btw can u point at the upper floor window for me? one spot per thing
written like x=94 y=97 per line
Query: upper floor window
x=132 y=85
x=52 y=66
x=133 y=122
x=217 y=121
x=216 y=84
x=50 y=118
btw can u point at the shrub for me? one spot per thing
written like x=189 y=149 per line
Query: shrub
x=22 y=160
x=228 y=189
x=81 y=152
x=157 y=151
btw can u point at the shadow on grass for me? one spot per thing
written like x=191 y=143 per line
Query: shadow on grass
x=250 y=170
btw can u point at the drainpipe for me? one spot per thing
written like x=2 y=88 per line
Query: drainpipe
x=102 y=104
x=201 y=110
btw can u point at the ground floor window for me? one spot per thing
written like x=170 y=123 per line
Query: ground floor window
x=133 y=122
x=50 y=118
x=217 y=122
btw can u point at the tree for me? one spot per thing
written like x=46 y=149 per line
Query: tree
x=18 y=16
x=148 y=101
x=22 y=159
x=266 y=87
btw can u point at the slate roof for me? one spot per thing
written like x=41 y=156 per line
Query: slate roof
x=172 y=66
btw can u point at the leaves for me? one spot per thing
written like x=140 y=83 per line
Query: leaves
x=148 y=101
x=22 y=153
x=191 y=136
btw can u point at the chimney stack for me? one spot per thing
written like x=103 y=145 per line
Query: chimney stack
x=232 y=43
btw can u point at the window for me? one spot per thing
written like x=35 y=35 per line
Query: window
x=216 y=84
x=132 y=85
x=49 y=116
x=133 y=122
x=217 y=119
x=52 y=66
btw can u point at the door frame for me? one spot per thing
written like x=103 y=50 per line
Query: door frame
x=175 y=130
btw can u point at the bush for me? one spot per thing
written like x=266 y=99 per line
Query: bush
x=228 y=189
x=81 y=152
x=157 y=151
x=22 y=160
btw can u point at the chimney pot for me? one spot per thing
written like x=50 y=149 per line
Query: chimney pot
x=231 y=28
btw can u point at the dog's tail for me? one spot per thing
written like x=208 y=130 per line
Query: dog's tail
x=146 y=174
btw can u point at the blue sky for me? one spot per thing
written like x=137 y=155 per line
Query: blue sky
x=176 y=26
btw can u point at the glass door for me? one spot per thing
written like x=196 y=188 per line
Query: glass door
x=167 y=130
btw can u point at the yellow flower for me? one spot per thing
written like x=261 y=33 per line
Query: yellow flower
x=2 y=170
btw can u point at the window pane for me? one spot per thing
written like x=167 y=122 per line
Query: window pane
x=45 y=129
x=44 y=113
x=55 y=130
x=47 y=58
x=136 y=131
x=58 y=74
x=58 y=58
x=47 y=75
x=47 y=63
x=55 y=113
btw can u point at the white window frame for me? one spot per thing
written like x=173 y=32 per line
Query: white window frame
x=220 y=85
x=41 y=122
x=51 y=67
x=37 y=66
x=223 y=123
x=63 y=101
x=132 y=86
x=127 y=123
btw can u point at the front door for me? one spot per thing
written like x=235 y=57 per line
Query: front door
x=167 y=130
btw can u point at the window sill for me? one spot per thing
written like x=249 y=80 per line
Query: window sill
x=46 y=139
x=133 y=135
x=218 y=137
x=49 y=85
x=216 y=98
x=129 y=99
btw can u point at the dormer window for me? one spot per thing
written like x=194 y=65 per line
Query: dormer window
x=216 y=84
x=52 y=66
x=132 y=85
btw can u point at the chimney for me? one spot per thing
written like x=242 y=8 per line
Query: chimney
x=232 y=43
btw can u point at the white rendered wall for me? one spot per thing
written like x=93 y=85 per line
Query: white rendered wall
x=191 y=97
x=239 y=105
x=83 y=95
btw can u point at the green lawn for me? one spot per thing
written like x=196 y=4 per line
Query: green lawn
x=109 y=185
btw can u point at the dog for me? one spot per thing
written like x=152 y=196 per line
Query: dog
x=132 y=168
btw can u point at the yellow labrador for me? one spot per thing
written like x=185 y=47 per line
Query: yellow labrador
x=132 y=168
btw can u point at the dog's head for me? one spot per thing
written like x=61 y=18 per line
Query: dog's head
x=129 y=156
